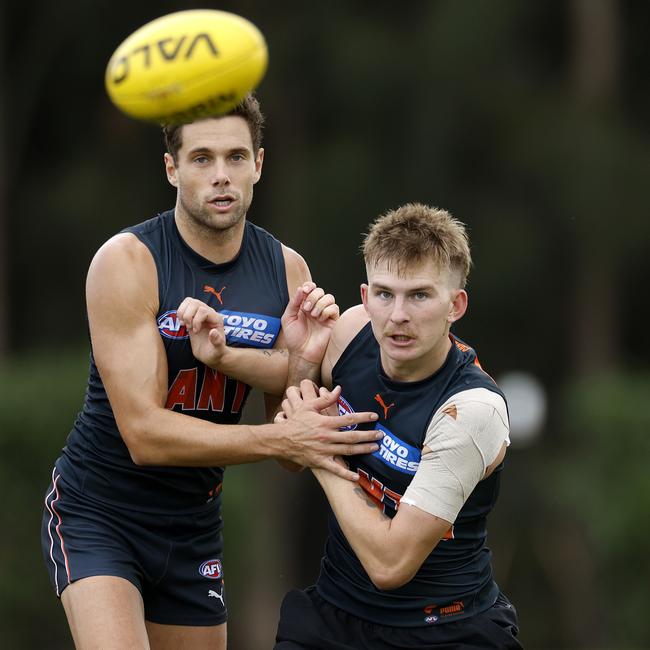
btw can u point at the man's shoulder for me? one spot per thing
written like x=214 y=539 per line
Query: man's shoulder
x=122 y=273
x=347 y=327
x=293 y=258
x=351 y=322
x=121 y=247
x=156 y=222
x=476 y=395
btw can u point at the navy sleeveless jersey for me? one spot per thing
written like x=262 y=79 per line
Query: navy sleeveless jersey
x=455 y=581
x=251 y=292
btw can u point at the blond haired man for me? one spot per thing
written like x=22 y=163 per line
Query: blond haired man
x=406 y=564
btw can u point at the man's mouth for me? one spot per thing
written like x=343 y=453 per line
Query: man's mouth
x=222 y=201
x=400 y=338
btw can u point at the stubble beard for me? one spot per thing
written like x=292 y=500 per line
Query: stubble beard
x=202 y=219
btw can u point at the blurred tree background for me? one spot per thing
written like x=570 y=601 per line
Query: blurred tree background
x=527 y=120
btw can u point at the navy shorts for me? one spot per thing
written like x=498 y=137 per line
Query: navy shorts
x=174 y=561
x=308 y=622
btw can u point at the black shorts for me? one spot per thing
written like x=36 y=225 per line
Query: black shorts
x=174 y=561
x=307 y=621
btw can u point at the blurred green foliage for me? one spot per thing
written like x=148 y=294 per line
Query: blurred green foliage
x=602 y=483
x=40 y=393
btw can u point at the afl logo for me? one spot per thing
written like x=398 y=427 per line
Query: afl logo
x=211 y=569
x=345 y=409
x=170 y=327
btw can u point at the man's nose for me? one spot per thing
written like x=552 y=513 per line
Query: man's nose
x=220 y=174
x=399 y=314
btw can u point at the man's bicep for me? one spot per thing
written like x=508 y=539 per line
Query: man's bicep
x=443 y=482
x=464 y=437
x=121 y=293
x=296 y=269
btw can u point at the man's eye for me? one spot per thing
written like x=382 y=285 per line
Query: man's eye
x=420 y=295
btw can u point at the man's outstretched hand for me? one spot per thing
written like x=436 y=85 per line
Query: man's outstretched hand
x=316 y=438
x=307 y=322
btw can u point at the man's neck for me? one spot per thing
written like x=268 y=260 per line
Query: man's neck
x=217 y=246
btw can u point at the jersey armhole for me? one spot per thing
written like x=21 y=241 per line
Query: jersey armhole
x=279 y=266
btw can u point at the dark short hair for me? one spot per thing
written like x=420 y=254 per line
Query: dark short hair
x=248 y=108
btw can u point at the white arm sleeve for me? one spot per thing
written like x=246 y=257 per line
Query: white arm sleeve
x=465 y=436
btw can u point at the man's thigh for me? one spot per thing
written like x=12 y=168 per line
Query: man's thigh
x=174 y=562
x=184 y=637
x=105 y=612
x=191 y=592
x=82 y=538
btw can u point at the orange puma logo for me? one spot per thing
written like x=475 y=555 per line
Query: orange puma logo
x=383 y=405
x=451 y=411
x=208 y=289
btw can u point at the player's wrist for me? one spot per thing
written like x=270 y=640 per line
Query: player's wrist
x=302 y=368
x=271 y=440
x=224 y=359
x=275 y=437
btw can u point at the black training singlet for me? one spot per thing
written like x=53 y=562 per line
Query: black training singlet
x=251 y=292
x=455 y=581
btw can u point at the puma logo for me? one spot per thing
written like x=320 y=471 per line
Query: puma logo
x=213 y=594
x=379 y=399
x=208 y=289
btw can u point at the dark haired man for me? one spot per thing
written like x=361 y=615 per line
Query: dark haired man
x=132 y=523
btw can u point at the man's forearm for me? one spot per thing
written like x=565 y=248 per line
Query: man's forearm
x=265 y=370
x=390 y=550
x=364 y=525
x=300 y=369
x=160 y=436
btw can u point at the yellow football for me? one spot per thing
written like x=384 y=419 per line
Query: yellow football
x=186 y=65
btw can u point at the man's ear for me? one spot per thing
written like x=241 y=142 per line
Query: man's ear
x=364 y=296
x=170 y=170
x=458 y=305
x=259 y=161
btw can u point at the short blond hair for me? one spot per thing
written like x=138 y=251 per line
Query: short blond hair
x=414 y=233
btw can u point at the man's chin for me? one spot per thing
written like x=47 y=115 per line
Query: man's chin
x=218 y=222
